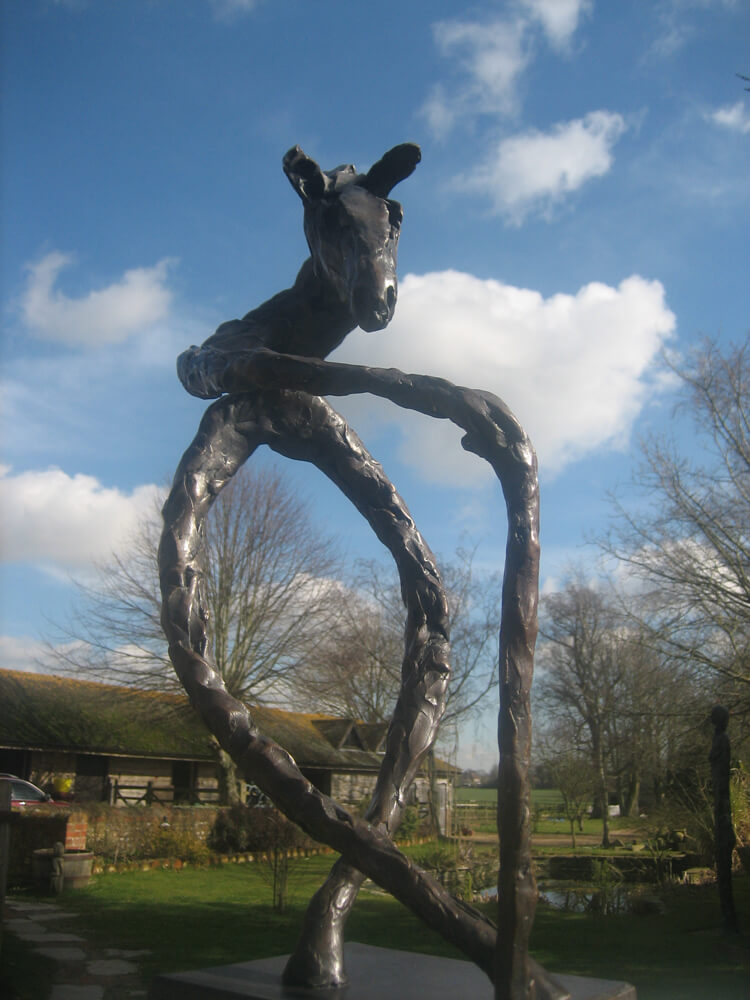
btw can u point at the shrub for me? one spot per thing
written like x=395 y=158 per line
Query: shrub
x=410 y=824
x=175 y=844
x=437 y=858
x=739 y=791
x=256 y=829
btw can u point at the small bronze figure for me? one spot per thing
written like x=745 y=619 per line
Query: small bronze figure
x=724 y=836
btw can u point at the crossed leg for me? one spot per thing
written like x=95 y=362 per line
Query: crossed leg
x=306 y=427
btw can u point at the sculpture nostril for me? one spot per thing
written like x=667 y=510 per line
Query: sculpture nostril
x=390 y=298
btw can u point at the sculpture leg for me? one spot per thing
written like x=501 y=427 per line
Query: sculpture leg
x=288 y=422
x=319 y=957
x=307 y=428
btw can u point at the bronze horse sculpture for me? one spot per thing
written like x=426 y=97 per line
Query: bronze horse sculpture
x=352 y=228
x=269 y=374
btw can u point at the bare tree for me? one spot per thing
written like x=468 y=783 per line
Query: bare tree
x=583 y=676
x=269 y=574
x=357 y=673
x=686 y=535
x=567 y=765
x=605 y=686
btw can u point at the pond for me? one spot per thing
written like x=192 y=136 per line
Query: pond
x=606 y=902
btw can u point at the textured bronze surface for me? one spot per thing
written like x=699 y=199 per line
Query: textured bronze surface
x=724 y=836
x=269 y=365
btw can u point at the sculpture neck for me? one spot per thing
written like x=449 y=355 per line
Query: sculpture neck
x=308 y=319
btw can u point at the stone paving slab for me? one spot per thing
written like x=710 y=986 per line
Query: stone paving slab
x=126 y=952
x=82 y=973
x=55 y=914
x=64 y=991
x=17 y=924
x=23 y=907
x=43 y=936
x=31 y=933
x=62 y=954
x=110 y=967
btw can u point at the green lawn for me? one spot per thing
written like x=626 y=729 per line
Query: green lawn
x=194 y=918
x=679 y=955
x=547 y=798
x=547 y=801
x=204 y=917
x=476 y=795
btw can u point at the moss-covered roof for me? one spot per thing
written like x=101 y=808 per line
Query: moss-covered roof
x=42 y=711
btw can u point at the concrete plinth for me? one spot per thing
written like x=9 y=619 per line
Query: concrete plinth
x=374 y=974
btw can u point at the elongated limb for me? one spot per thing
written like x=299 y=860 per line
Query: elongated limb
x=305 y=427
x=493 y=433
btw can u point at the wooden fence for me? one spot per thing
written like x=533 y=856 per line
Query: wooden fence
x=475 y=816
x=165 y=795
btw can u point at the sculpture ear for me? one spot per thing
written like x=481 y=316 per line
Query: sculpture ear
x=305 y=175
x=393 y=167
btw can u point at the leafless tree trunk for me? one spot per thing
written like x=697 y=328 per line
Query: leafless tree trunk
x=269 y=575
x=583 y=676
x=685 y=537
x=357 y=672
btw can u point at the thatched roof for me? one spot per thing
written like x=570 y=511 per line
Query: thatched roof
x=45 y=712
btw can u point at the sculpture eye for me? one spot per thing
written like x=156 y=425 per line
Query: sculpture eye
x=395 y=213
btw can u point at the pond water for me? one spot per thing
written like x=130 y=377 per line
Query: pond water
x=607 y=902
x=589 y=899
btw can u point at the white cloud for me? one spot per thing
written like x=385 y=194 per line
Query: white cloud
x=107 y=316
x=25 y=653
x=574 y=368
x=488 y=57
x=533 y=171
x=491 y=54
x=64 y=523
x=677 y=25
x=559 y=18
x=491 y=57
x=226 y=10
x=735 y=117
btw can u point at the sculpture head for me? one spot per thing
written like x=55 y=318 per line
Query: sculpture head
x=352 y=228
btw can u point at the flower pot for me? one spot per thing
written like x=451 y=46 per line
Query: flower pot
x=76 y=867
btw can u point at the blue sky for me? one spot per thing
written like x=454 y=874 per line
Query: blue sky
x=582 y=202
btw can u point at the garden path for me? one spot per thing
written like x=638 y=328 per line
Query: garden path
x=82 y=971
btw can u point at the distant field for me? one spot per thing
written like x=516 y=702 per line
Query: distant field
x=547 y=798
x=476 y=795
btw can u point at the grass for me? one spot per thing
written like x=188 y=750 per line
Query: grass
x=546 y=798
x=202 y=917
x=195 y=918
x=476 y=795
x=549 y=822
x=679 y=955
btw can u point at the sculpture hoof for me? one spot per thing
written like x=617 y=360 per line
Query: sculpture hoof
x=547 y=987
x=314 y=971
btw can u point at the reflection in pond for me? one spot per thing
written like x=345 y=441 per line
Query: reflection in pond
x=606 y=902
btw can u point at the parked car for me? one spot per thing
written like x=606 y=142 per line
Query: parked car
x=23 y=793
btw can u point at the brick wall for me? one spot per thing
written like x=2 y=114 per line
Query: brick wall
x=76 y=832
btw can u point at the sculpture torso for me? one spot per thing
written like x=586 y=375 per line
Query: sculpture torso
x=352 y=229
